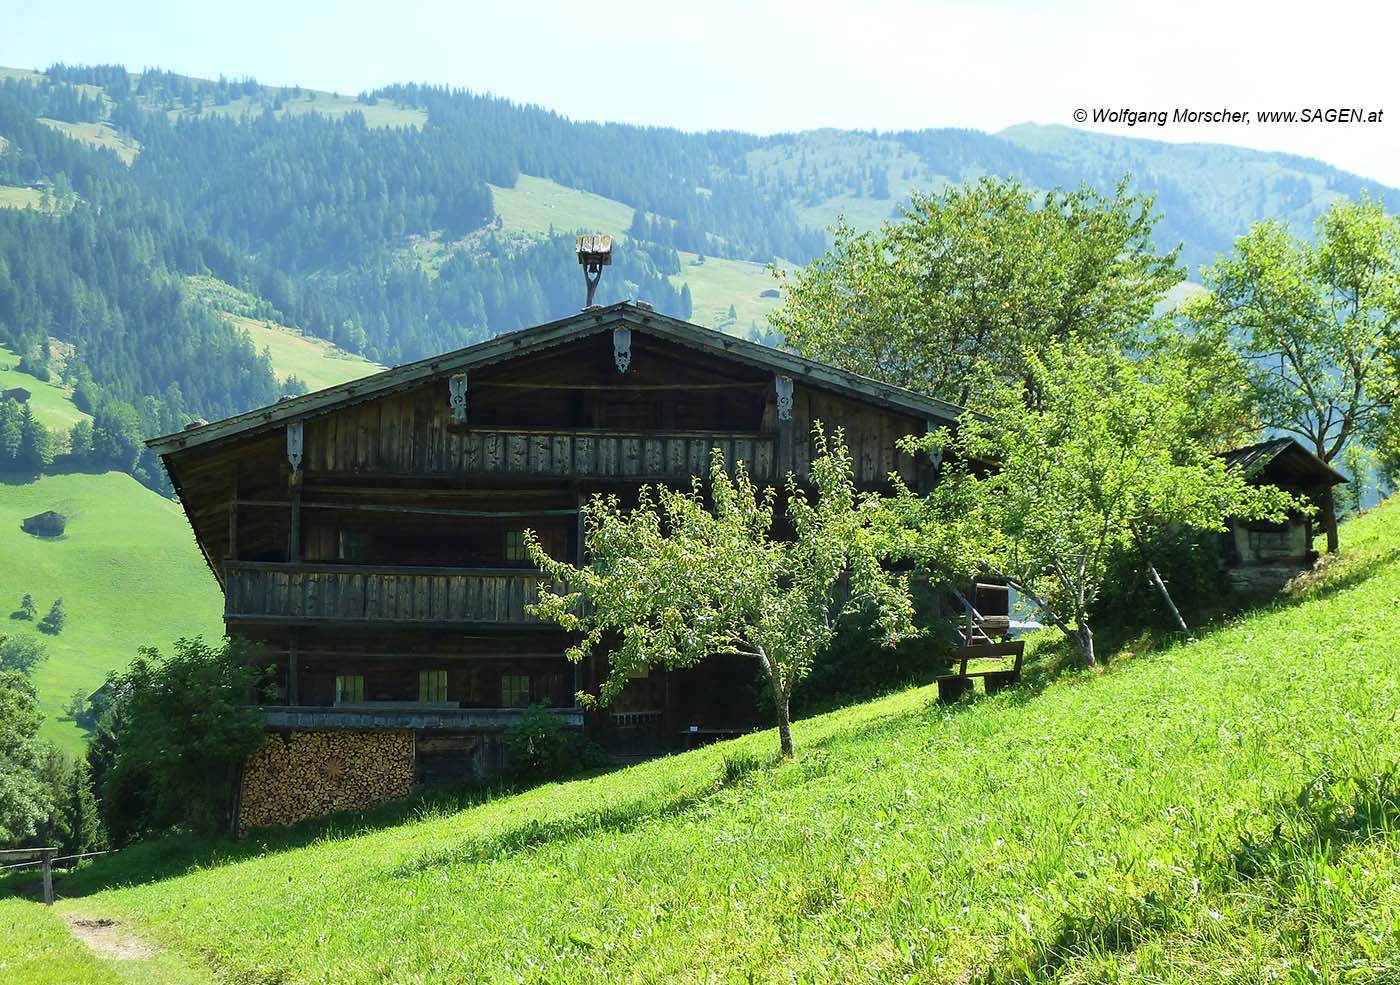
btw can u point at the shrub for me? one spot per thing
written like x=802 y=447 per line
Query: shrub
x=182 y=726
x=541 y=747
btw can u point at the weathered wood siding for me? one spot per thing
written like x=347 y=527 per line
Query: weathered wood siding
x=411 y=434
x=346 y=593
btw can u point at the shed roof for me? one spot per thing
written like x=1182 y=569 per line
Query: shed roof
x=526 y=340
x=1284 y=457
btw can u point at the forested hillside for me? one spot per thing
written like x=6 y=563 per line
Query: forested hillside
x=372 y=222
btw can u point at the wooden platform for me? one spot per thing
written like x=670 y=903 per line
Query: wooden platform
x=951 y=687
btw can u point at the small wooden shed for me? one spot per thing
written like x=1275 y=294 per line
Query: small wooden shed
x=50 y=523
x=17 y=393
x=1260 y=556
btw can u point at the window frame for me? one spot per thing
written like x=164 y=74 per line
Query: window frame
x=514 y=690
x=432 y=686
x=355 y=694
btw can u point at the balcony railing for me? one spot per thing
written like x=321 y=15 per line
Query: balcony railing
x=347 y=593
x=403 y=716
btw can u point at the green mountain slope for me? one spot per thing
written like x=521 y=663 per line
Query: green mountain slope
x=1218 y=811
x=128 y=571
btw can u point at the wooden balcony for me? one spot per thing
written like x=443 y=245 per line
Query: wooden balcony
x=403 y=715
x=525 y=453
x=307 y=594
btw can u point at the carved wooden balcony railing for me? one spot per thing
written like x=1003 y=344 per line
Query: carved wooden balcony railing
x=348 y=593
x=490 y=452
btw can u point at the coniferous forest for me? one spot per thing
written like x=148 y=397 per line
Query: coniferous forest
x=316 y=215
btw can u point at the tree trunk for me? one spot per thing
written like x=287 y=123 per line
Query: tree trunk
x=1328 y=511
x=1085 y=638
x=784 y=728
x=1167 y=597
x=780 y=702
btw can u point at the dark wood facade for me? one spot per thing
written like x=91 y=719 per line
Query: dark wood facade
x=370 y=536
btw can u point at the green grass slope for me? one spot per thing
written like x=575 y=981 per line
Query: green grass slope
x=52 y=404
x=127 y=569
x=1220 y=811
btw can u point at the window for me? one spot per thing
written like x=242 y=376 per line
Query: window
x=349 y=688
x=515 y=690
x=432 y=686
x=515 y=546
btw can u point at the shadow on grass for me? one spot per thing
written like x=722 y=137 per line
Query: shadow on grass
x=173 y=855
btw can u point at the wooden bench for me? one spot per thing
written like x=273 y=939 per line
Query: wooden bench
x=951 y=687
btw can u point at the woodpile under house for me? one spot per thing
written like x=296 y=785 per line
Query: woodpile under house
x=370 y=537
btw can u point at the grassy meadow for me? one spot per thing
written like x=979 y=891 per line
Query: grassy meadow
x=16 y=197
x=52 y=403
x=128 y=571
x=315 y=362
x=100 y=135
x=1216 y=811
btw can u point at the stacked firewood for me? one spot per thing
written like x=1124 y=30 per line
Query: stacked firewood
x=297 y=775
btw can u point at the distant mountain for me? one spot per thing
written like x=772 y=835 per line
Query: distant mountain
x=415 y=219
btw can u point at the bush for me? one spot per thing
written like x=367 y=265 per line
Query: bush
x=541 y=747
x=181 y=727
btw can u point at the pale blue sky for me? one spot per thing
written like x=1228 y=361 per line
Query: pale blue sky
x=787 y=65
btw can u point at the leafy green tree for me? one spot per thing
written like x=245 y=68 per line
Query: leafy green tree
x=116 y=436
x=186 y=725
x=23 y=800
x=676 y=579
x=1106 y=459
x=22 y=654
x=27 y=608
x=80 y=441
x=53 y=620
x=970 y=279
x=1319 y=323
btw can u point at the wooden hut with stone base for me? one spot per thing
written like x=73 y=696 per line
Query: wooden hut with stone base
x=1260 y=557
x=370 y=537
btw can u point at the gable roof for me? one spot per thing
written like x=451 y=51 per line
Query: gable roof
x=1290 y=456
x=528 y=340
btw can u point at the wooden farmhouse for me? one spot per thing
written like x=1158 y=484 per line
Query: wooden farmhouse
x=370 y=536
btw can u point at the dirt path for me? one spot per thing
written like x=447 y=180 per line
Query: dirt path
x=109 y=938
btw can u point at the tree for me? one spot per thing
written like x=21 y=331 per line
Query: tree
x=23 y=801
x=53 y=620
x=186 y=725
x=971 y=278
x=116 y=436
x=1319 y=323
x=27 y=608
x=1107 y=458
x=79 y=808
x=22 y=654
x=675 y=580
x=35 y=445
x=80 y=441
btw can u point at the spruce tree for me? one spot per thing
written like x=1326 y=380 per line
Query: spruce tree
x=52 y=623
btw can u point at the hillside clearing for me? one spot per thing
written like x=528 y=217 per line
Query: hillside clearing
x=100 y=135
x=16 y=197
x=1218 y=811
x=716 y=284
x=52 y=404
x=315 y=362
x=535 y=205
x=127 y=569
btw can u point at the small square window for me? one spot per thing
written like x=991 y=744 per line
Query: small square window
x=515 y=546
x=515 y=690
x=432 y=686
x=349 y=688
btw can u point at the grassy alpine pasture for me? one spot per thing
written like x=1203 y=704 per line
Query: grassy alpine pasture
x=16 y=197
x=103 y=136
x=128 y=571
x=315 y=362
x=535 y=205
x=1219 y=811
x=52 y=404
